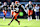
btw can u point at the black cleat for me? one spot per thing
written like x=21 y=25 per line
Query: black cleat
x=19 y=22
x=9 y=24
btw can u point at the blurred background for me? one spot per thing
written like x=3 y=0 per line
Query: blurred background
x=22 y=13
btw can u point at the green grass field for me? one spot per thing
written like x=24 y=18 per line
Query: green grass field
x=23 y=23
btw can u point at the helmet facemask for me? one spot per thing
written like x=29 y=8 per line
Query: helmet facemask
x=17 y=3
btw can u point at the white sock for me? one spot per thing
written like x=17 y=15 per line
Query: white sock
x=36 y=18
x=3 y=18
x=30 y=17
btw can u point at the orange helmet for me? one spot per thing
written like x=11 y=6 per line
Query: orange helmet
x=16 y=2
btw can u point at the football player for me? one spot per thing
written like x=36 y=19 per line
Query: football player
x=37 y=12
x=5 y=8
x=29 y=8
x=12 y=8
x=16 y=11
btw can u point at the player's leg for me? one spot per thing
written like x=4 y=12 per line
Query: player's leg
x=28 y=15
x=31 y=12
x=38 y=15
x=28 y=18
x=11 y=20
x=17 y=20
x=4 y=14
x=4 y=17
x=12 y=13
x=12 y=17
x=15 y=17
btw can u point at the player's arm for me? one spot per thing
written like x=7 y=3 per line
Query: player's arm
x=33 y=7
x=3 y=7
x=10 y=6
x=22 y=7
x=26 y=6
